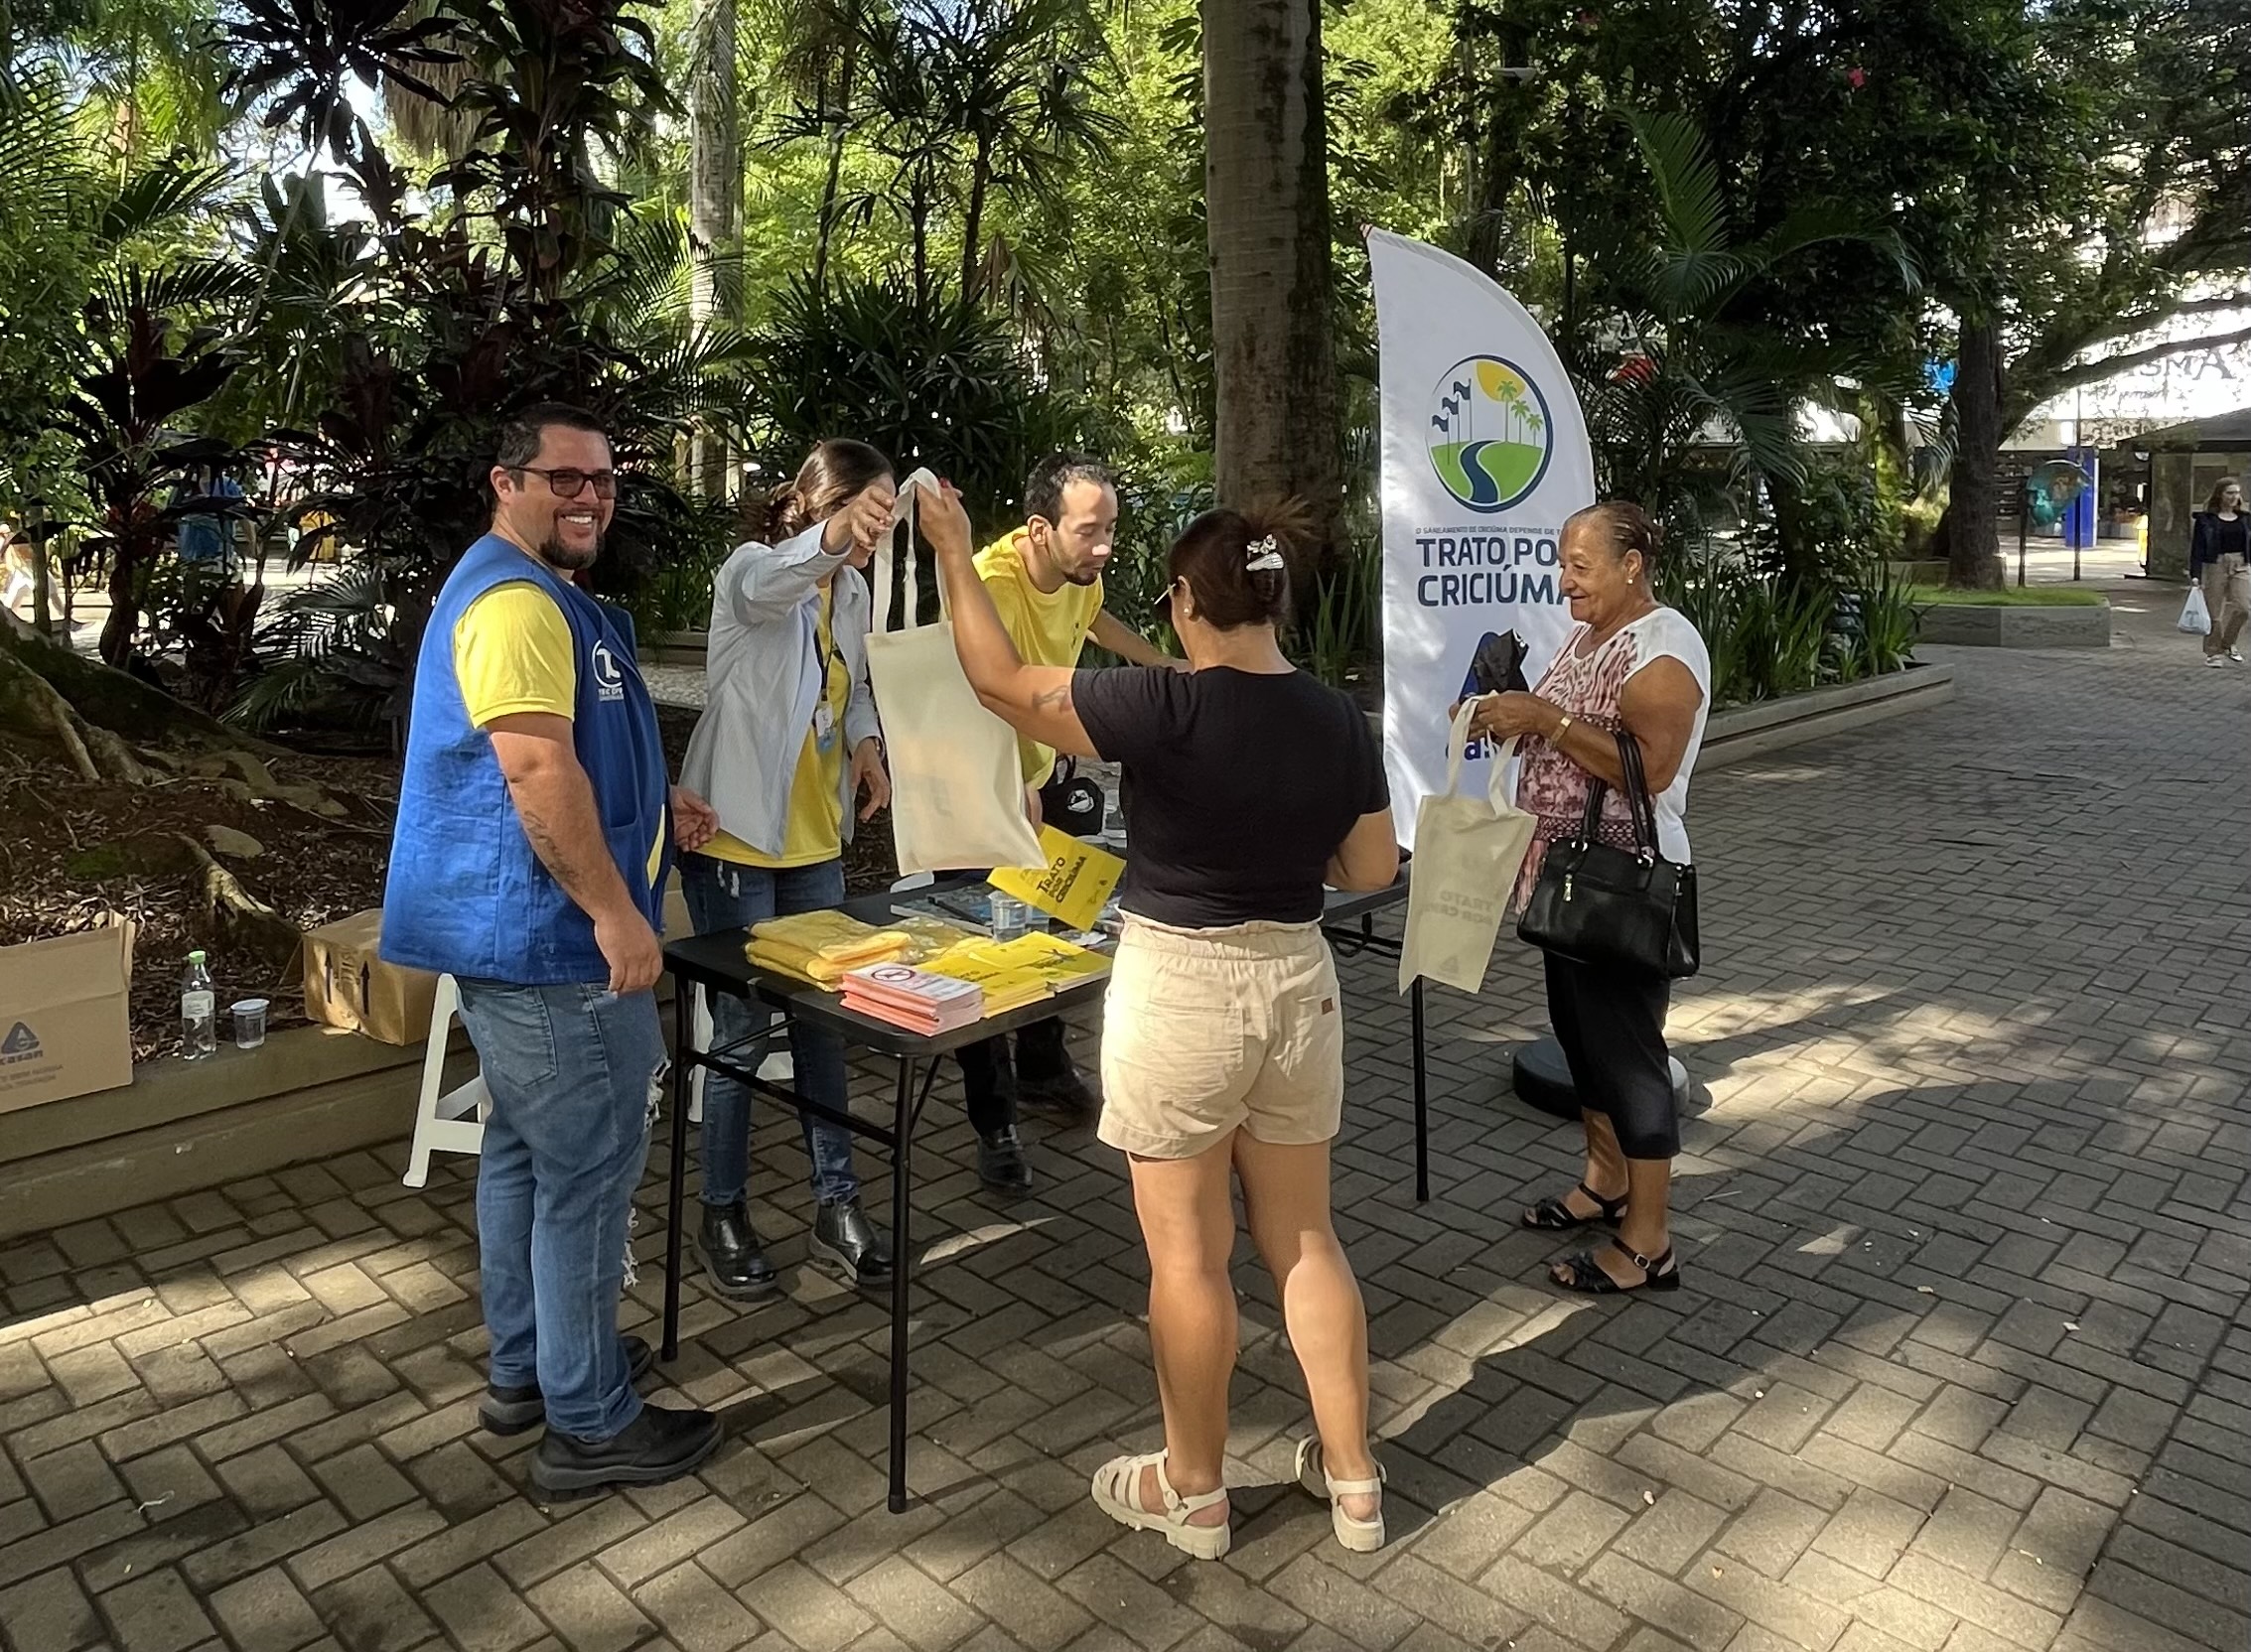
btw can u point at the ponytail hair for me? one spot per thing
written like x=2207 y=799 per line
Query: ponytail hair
x=836 y=472
x=1237 y=563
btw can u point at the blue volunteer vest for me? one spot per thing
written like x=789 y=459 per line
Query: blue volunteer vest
x=466 y=895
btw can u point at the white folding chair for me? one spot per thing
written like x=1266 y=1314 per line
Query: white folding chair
x=444 y=1121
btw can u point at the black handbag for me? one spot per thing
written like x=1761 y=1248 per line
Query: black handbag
x=1597 y=904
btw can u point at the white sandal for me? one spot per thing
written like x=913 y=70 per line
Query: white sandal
x=1362 y=1536
x=1117 y=1493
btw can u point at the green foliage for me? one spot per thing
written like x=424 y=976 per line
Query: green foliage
x=1337 y=627
x=934 y=381
x=522 y=279
x=1693 y=404
x=2030 y=596
x=1769 y=636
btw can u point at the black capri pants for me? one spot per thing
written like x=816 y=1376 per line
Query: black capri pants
x=1610 y=1022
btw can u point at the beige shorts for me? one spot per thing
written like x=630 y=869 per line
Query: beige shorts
x=1210 y=1031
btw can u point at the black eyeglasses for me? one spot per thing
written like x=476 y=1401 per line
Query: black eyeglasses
x=567 y=483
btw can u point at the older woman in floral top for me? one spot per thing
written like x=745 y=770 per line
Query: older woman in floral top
x=1630 y=665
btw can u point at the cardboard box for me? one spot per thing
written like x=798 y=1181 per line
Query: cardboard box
x=347 y=985
x=65 y=1026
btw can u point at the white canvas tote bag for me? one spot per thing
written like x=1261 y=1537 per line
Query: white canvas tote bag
x=1466 y=854
x=956 y=784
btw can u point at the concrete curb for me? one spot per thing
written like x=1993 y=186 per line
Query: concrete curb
x=1738 y=733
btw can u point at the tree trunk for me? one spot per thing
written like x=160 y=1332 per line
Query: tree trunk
x=117 y=700
x=714 y=201
x=838 y=126
x=1266 y=199
x=973 y=220
x=1971 y=523
x=42 y=568
x=116 y=644
x=828 y=202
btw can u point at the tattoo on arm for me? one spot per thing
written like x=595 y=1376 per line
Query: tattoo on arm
x=1053 y=699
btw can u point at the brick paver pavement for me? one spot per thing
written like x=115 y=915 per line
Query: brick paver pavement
x=1962 y=1363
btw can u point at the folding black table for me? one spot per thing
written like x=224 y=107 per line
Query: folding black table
x=716 y=963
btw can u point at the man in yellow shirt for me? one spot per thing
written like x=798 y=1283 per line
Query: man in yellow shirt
x=1046 y=581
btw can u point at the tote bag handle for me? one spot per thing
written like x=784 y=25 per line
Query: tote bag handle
x=903 y=512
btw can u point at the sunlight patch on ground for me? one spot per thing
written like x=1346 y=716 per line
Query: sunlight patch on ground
x=992 y=1233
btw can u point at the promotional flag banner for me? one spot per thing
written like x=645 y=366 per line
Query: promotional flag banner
x=1485 y=456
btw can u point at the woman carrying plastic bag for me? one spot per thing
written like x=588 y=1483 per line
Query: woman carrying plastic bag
x=2195 y=614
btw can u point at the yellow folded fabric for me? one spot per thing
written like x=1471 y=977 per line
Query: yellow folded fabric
x=821 y=946
x=821 y=969
x=790 y=961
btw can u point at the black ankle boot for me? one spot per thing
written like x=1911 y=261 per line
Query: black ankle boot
x=1064 y=1094
x=732 y=1260
x=1000 y=1161
x=850 y=1244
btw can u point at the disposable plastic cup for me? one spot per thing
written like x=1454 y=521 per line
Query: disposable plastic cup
x=249 y=1022
x=1008 y=918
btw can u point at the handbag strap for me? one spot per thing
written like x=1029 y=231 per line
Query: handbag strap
x=1637 y=793
x=1640 y=809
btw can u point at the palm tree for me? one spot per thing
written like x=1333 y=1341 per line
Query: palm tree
x=1688 y=367
x=969 y=99
x=715 y=200
x=1266 y=203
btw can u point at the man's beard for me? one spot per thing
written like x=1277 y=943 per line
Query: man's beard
x=558 y=555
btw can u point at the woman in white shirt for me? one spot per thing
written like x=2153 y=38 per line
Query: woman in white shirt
x=1630 y=665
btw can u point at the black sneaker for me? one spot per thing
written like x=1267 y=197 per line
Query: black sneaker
x=657 y=1445
x=732 y=1260
x=513 y=1410
x=1000 y=1161
x=850 y=1245
x=1064 y=1094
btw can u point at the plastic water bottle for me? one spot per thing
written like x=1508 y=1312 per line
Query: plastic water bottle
x=199 y=1011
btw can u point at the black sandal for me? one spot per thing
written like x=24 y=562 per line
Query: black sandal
x=1584 y=1273
x=1555 y=1216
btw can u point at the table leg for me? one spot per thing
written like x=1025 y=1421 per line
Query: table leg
x=1422 y=1103
x=902 y=1257
x=683 y=1036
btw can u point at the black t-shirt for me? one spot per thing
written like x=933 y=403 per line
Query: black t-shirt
x=2231 y=538
x=1239 y=787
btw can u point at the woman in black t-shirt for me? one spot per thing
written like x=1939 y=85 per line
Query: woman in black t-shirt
x=1248 y=785
x=2219 y=558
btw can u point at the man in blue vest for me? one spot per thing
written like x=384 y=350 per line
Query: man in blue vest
x=529 y=863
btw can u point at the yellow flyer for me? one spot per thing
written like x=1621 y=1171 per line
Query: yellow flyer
x=1073 y=886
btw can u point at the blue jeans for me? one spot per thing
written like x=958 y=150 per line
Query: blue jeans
x=725 y=896
x=573 y=1071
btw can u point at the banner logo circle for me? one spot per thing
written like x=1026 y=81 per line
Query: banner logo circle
x=1490 y=434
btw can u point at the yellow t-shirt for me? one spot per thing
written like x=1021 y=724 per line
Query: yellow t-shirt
x=1047 y=627
x=814 y=831
x=512 y=652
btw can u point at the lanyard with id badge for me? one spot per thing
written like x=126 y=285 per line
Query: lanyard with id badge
x=824 y=713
